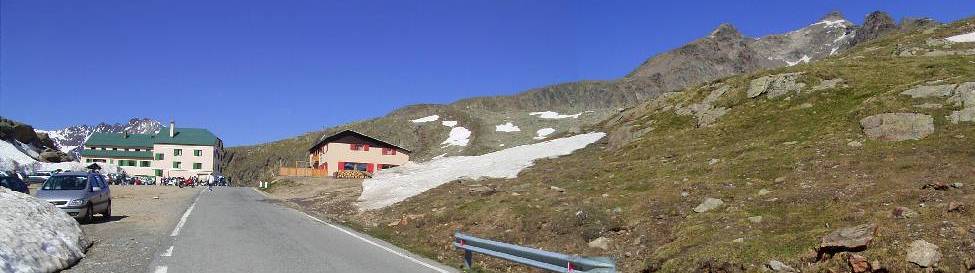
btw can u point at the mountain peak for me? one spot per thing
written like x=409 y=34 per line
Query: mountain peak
x=832 y=16
x=725 y=31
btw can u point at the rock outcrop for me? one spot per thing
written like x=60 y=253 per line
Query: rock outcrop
x=877 y=24
x=923 y=254
x=775 y=85
x=898 y=126
x=848 y=239
x=708 y=204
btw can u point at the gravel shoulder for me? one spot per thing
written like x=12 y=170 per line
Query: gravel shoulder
x=140 y=221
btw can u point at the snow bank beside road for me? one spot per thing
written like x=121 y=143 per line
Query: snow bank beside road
x=394 y=185
x=36 y=236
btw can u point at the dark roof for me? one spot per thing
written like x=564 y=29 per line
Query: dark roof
x=186 y=136
x=330 y=138
x=119 y=140
x=116 y=154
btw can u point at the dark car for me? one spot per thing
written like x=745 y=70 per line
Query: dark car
x=14 y=183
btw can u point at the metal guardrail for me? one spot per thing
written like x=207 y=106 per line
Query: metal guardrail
x=551 y=261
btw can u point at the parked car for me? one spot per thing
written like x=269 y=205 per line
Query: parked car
x=81 y=195
x=14 y=183
x=38 y=177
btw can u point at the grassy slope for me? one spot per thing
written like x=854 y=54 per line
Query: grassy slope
x=633 y=194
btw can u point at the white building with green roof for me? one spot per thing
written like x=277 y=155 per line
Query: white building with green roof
x=173 y=152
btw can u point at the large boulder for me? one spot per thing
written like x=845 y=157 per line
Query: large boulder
x=929 y=91
x=36 y=236
x=775 y=85
x=923 y=253
x=848 y=239
x=898 y=126
x=708 y=204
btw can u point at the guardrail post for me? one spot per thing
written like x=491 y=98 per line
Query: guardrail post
x=468 y=259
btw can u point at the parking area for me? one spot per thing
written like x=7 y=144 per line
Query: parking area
x=142 y=218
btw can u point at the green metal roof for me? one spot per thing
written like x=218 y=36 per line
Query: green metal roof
x=116 y=154
x=119 y=140
x=186 y=136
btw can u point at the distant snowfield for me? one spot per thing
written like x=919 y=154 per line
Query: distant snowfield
x=963 y=38
x=555 y=115
x=449 y=123
x=397 y=184
x=507 y=127
x=459 y=136
x=426 y=119
x=543 y=133
x=832 y=23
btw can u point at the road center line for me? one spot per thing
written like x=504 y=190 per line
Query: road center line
x=441 y=270
x=182 y=220
x=169 y=252
x=161 y=269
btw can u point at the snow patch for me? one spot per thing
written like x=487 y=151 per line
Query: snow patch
x=963 y=38
x=13 y=153
x=543 y=133
x=833 y=51
x=426 y=119
x=507 y=127
x=459 y=136
x=804 y=59
x=555 y=115
x=832 y=23
x=398 y=184
x=449 y=123
x=37 y=236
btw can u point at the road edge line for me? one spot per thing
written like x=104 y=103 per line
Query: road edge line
x=182 y=220
x=390 y=250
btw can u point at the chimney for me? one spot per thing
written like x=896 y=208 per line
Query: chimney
x=172 y=129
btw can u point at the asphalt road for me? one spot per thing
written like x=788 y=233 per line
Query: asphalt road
x=236 y=230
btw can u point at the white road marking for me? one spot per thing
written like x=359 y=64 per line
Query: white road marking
x=161 y=269
x=182 y=221
x=441 y=270
x=261 y=192
x=169 y=252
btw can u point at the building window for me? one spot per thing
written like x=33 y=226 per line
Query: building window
x=197 y=166
x=126 y=163
x=197 y=152
x=114 y=149
x=355 y=166
x=386 y=166
x=356 y=147
x=389 y=151
x=160 y=156
x=158 y=172
x=177 y=152
x=143 y=163
x=176 y=164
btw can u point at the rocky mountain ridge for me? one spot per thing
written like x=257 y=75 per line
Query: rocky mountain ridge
x=860 y=162
x=722 y=53
x=70 y=139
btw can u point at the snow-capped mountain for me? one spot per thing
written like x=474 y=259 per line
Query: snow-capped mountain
x=71 y=138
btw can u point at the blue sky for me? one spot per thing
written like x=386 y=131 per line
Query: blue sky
x=257 y=71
